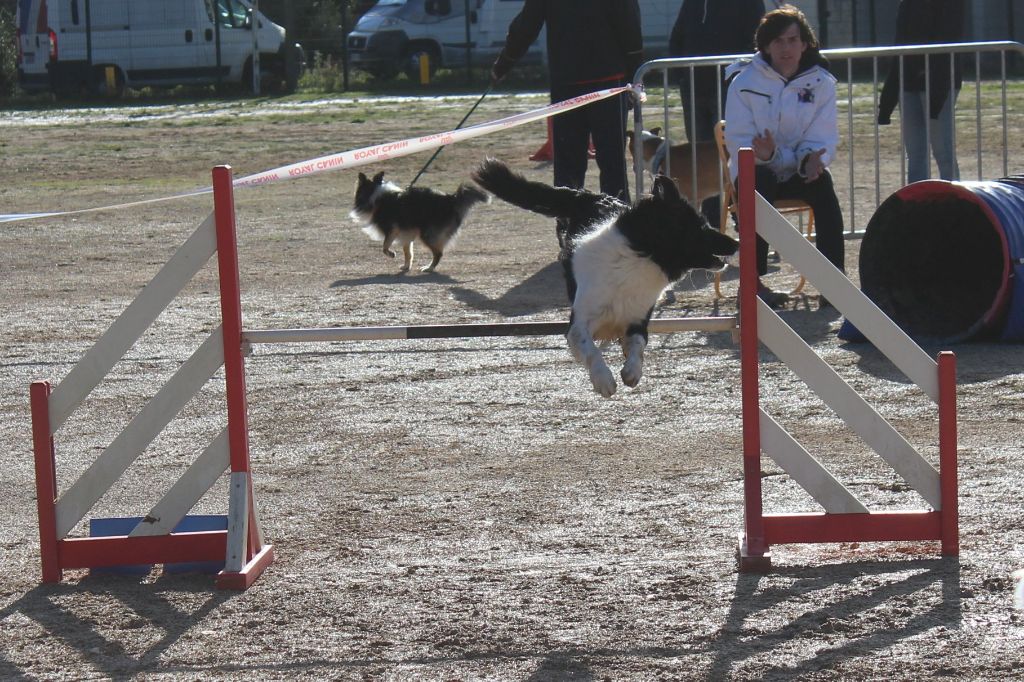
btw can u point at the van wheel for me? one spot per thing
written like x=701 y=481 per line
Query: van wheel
x=412 y=61
x=246 y=82
x=111 y=87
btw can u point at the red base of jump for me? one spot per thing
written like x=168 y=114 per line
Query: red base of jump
x=121 y=550
x=247 y=576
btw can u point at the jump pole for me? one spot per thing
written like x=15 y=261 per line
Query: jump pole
x=666 y=325
x=246 y=555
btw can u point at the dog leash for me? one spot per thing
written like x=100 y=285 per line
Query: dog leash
x=464 y=118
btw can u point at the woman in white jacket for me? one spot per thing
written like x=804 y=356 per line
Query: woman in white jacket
x=782 y=103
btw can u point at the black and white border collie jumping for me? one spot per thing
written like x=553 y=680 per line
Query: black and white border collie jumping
x=390 y=214
x=618 y=259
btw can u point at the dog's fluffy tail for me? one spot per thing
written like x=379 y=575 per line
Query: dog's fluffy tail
x=504 y=183
x=579 y=206
x=466 y=196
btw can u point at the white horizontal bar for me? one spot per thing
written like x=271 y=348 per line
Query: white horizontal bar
x=329 y=334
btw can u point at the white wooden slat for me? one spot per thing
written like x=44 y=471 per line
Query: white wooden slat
x=140 y=431
x=238 y=522
x=187 y=490
x=132 y=322
x=848 y=299
x=807 y=471
x=848 y=404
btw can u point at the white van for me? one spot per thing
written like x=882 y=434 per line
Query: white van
x=104 y=46
x=393 y=34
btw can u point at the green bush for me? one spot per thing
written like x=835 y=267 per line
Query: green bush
x=323 y=74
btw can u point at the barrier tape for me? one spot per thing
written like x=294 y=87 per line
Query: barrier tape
x=366 y=155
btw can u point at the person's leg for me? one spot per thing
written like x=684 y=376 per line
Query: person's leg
x=570 y=132
x=767 y=184
x=707 y=116
x=912 y=123
x=712 y=209
x=684 y=96
x=941 y=134
x=828 y=215
x=608 y=132
x=570 y=135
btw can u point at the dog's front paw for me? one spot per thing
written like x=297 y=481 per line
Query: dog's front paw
x=389 y=253
x=631 y=373
x=404 y=268
x=603 y=380
x=427 y=268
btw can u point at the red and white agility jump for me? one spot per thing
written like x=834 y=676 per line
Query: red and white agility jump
x=242 y=548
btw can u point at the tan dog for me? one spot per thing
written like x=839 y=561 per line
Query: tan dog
x=709 y=174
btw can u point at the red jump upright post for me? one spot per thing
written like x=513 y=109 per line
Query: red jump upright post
x=752 y=552
x=247 y=556
x=46 y=480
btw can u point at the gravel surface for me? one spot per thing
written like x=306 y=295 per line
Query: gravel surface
x=460 y=509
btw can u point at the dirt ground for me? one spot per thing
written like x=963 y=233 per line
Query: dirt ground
x=461 y=509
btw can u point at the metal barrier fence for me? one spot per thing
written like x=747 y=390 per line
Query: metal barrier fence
x=983 y=134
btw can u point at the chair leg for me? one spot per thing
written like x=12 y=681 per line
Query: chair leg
x=723 y=223
x=809 y=232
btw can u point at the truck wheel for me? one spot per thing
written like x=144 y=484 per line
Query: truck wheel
x=412 y=61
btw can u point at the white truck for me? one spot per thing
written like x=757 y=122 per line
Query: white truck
x=103 y=46
x=392 y=36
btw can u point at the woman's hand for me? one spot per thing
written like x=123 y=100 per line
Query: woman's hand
x=764 y=146
x=812 y=165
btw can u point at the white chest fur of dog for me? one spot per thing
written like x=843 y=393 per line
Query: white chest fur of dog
x=616 y=286
x=616 y=290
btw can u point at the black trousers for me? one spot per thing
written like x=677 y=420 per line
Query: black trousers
x=604 y=122
x=821 y=196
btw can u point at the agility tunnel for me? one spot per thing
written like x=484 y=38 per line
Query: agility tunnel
x=945 y=260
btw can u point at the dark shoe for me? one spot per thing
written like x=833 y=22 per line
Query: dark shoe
x=774 y=299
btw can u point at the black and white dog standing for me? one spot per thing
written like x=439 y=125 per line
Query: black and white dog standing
x=617 y=258
x=392 y=214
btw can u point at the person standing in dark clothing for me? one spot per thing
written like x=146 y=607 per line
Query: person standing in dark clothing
x=704 y=28
x=592 y=45
x=923 y=22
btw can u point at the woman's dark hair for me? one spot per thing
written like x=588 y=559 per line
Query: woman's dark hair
x=778 y=20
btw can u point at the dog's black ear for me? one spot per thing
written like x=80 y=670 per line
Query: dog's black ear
x=665 y=189
x=655 y=131
x=378 y=178
x=362 y=177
